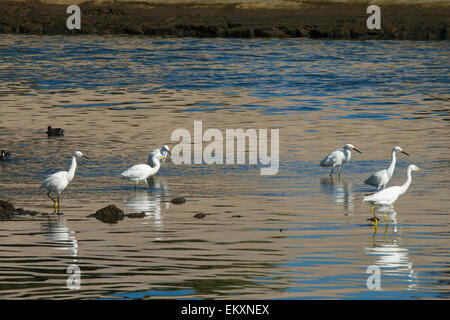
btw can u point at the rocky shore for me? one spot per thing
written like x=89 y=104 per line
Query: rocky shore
x=288 y=19
x=8 y=211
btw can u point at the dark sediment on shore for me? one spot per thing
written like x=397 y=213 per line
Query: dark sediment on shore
x=8 y=211
x=311 y=20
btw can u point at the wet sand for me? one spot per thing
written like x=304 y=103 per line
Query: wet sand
x=310 y=19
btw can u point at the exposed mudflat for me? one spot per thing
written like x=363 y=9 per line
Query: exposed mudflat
x=429 y=21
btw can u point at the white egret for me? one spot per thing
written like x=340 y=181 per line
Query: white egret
x=388 y=196
x=338 y=158
x=140 y=172
x=382 y=177
x=58 y=181
x=163 y=151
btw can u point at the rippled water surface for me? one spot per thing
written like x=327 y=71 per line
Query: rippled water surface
x=294 y=235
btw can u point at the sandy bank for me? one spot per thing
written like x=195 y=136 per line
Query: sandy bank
x=421 y=20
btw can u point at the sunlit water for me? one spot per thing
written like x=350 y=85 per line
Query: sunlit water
x=298 y=234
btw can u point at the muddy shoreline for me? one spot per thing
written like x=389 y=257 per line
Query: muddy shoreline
x=313 y=20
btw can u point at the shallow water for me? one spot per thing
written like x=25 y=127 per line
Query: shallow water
x=296 y=235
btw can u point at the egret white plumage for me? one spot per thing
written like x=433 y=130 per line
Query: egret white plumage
x=164 y=151
x=338 y=158
x=381 y=178
x=58 y=181
x=140 y=172
x=388 y=196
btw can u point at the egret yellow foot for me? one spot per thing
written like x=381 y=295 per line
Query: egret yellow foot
x=385 y=220
x=374 y=221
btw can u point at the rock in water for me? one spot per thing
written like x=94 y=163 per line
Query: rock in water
x=201 y=215
x=136 y=215
x=109 y=214
x=178 y=200
x=6 y=209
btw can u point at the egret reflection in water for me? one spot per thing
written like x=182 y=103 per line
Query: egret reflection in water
x=56 y=231
x=389 y=216
x=150 y=202
x=339 y=189
x=393 y=260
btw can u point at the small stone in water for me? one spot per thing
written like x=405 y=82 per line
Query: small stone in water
x=201 y=215
x=136 y=215
x=178 y=200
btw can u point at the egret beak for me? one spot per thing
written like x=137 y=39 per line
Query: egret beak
x=169 y=152
x=85 y=157
x=357 y=150
x=404 y=152
x=417 y=168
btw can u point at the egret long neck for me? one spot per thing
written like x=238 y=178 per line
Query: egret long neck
x=391 y=168
x=154 y=163
x=72 y=169
x=405 y=186
x=157 y=163
x=348 y=155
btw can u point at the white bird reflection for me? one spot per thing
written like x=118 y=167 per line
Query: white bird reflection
x=393 y=260
x=339 y=189
x=56 y=231
x=150 y=202
x=391 y=216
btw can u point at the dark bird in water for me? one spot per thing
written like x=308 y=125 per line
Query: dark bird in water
x=4 y=155
x=55 y=132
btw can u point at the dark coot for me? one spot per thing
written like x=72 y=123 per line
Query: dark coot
x=55 y=132
x=4 y=155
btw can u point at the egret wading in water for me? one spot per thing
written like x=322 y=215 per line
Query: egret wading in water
x=140 y=172
x=58 y=181
x=388 y=196
x=164 y=151
x=381 y=178
x=338 y=158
